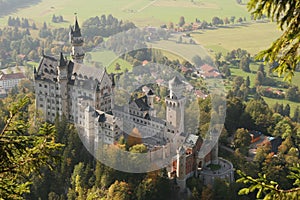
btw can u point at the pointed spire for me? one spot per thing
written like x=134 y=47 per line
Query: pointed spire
x=76 y=24
x=76 y=30
x=62 y=61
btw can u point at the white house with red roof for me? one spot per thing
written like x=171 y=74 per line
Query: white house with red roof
x=207 y=71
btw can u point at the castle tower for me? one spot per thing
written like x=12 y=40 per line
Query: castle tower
x=214 y=154
x=214 y=149
x=76 y=40
x=62 y=79
x=150 y=101
x=181 y=171
x=175 y=103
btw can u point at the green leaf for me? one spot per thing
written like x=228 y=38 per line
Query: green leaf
x=244 y=191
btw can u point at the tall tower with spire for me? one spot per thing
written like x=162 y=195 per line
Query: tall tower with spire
x=76 y=40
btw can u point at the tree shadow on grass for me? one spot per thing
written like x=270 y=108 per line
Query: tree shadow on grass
x=14 y=5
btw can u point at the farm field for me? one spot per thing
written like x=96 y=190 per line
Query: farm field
x=253 y=37
x=141 y=12
x=185 y=50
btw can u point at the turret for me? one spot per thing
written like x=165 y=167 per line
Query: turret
x=62 y=68
x=76 y=40
x=150 y=98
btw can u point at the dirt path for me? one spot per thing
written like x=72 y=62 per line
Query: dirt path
x=146 y=6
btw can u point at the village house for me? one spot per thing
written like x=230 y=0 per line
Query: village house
x=8 y=81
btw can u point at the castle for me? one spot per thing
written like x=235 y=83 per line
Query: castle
x=85 y=96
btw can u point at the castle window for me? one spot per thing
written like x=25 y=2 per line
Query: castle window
x=46 y=86
x=41 y=105
x=40 y=85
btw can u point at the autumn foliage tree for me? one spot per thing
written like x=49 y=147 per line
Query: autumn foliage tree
x=134 y=137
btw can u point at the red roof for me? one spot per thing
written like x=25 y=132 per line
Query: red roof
x=145 y=62
x=211 y=75
x=200 y=94
x=12 y=76
x=207 y=68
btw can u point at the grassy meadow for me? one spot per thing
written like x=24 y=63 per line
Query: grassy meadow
x=184 y=50
x=269 y=101
x=109 y=60
x=141 y=12
x=253 y=37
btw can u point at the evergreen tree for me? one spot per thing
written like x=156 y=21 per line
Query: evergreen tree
x=23 y=154
x=259 y=78
x=287 y=110
x=247 y=82
x=245 y=64
x=285 y=49
x=261 y=69
x=181 y=21
x=34 y=26
x=296 y=117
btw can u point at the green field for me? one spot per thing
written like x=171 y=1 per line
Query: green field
x=109 y=60
x=270 y=101
x=141 y=12
x=185 y=51
x=252 y=37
